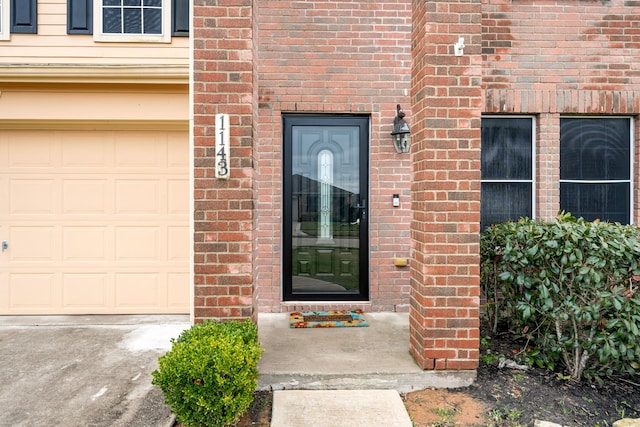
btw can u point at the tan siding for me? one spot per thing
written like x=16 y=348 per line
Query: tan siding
x=52 y=45
x=52 y=18
x=90 y=103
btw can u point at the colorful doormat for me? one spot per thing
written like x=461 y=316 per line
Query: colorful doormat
x=327 y=319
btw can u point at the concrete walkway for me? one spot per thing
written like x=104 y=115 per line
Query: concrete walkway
x=339 y=408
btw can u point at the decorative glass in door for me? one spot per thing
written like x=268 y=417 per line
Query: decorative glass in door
x=325 y=208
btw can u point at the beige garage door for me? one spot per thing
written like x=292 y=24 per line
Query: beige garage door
x=94 y=222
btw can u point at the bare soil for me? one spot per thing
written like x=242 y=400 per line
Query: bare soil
x=514 y=398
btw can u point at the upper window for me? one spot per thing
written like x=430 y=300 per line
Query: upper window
x=595 y=168
x=132 y=20
x=128 y=20
x=4 y=20
x=508 y=169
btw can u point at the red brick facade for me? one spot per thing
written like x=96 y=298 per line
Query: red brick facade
x=257 y=60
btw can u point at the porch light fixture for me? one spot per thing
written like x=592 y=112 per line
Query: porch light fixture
x=400 y=132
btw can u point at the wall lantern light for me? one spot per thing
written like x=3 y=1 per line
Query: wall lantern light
x=400 y=132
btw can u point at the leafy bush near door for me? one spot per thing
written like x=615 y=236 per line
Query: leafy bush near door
x=566 y=288
x=210 y=374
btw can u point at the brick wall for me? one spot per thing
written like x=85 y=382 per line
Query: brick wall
x=541 y=58
x=550 y=58
x=224 y=73
x=446 y=185
x=328 y=56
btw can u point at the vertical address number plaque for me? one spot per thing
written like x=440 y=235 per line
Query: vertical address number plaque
x=222 y=146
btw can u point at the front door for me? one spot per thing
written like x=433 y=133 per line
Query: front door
x=325 y=214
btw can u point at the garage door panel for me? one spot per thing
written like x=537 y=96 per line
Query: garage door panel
x=137 y=290
x=137 y=243
x=178 y=243
x=31 y=244
x=134 y=196
x=26 y=150
x=32 y=196
x=32 y=290
x=85 y=243
x=88 y=151
x=178 y=289
x=140 y=150
x=177 y=156
x=178 y=197
x=85 y=196
x=85 y=290
x=97 y=222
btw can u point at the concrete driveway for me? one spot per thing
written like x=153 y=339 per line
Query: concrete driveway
x=83 y=370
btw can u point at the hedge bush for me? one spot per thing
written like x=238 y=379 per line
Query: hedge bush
x=210 y=374
x=567 y=287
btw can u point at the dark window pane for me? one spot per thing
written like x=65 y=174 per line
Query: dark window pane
x=153 y=21
x=594 y=149
x=156 y=3
x=111 y=21
x=132 y=3
x=112 y=2
x=132 y=21
x=506 y=148
x=504 y=202
x=607 y=202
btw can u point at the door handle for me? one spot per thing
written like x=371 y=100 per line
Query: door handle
x=5 y=245
x=362 y=206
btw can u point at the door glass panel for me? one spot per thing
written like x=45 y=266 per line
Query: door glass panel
x=326 y=211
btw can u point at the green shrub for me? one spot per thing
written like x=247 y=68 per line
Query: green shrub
x=210 y=374
x=568 y=288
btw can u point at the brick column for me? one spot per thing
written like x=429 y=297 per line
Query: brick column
x=446 y=98
x=548 y=170
x=223 y=82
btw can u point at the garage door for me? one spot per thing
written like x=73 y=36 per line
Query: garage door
x=95 y=222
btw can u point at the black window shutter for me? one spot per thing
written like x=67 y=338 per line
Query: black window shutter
x=79 y=16
x=24 y=16
x=180 y=18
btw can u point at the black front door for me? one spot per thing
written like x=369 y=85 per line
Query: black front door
x=325 y=212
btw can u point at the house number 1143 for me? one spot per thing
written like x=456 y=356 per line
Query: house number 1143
x=222 y=146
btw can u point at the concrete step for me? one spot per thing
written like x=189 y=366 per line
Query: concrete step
x=338 y=408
